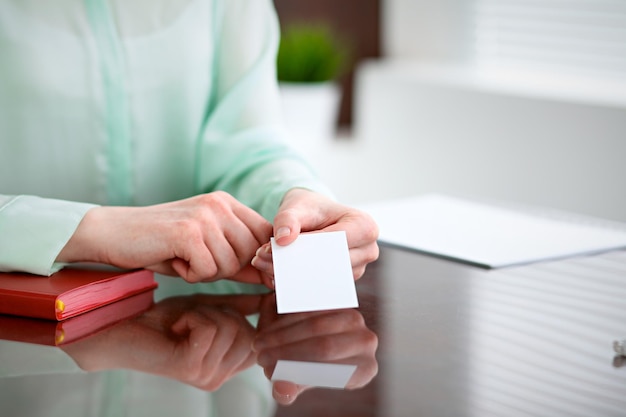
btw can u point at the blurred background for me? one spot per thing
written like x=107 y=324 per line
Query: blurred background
x=519 y=100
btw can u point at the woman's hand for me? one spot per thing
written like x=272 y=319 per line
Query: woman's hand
x=338 y=336
x=306 y=211
x=203 y=238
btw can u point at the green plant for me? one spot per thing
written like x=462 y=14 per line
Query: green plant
x=310 y=53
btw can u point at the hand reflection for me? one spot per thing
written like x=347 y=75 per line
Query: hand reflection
x=201 y=340
x=338 y=336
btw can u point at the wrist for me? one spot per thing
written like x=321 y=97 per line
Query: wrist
x=82 y=246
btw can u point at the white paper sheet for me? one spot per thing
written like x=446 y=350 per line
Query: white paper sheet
x=314 y=273
x=315 y=374
x=490 y=235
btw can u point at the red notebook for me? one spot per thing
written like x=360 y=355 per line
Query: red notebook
x=69 y=292
x=57 y=333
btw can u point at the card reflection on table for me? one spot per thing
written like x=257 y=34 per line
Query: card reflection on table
x=315 y=374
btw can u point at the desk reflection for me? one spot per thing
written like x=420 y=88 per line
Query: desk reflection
x=205 y=340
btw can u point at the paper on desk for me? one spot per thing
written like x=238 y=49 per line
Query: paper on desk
x=315 y=374
x=314 y=273
x=490 y=235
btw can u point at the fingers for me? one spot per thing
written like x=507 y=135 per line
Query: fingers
x=231 y=247
x=268 y=313
x=287 y=225
x=250 y=275
x=318 y=337
x=339 y=337
x=300 y=326
x=360 y=228
x=235 y=236
x=263 y=262
x=215 y=345
x=260 y=228
x=217 y=237
x=285 y=392
x=360 y=257
x=195 y=261
x=233 y=233
x=299 y=211
x=327 y=348
x=303 y=210
x=231 y=352
x=306 y=211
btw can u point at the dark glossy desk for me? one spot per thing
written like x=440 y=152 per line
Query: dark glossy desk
x=457 y=341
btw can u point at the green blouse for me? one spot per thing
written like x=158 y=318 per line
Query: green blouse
x=134 y=102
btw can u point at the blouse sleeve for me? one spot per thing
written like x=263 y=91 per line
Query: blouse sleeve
x=244 y=149
x=33 y=231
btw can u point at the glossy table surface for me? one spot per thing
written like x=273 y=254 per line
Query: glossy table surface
x=452 y=340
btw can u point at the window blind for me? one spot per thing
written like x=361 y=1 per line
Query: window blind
x=565 y=36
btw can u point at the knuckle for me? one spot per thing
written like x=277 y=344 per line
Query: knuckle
x=366 y=371
x=365 y=224
x=373 y=254
x=192 y=278
x=187 y=227
x=354 y=319
x=326 y=348
x=370 y=228
x=358 y=272
x=205 y=199
x=217 y=200
x=221 y=199
x=370 y=340
x=213 y=384
x=221 y=195
x=211 y=271
x=286 y=215
x=202 y=270
x=324 y=324
x=230 y=266
x=187 y=372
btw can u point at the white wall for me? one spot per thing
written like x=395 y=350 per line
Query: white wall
x=432 y=130
x=418 y=128
x=425 y=29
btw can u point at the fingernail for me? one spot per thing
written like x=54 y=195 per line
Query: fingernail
x=282 y=397
x=267 y=249
x=258 y=251
x=282 y=232
x=257 y=344
x=260 y=263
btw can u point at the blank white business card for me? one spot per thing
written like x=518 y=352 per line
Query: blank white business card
x=314 y=273
x=314 y=374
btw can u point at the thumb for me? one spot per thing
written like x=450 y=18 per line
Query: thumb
x=287 y=226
